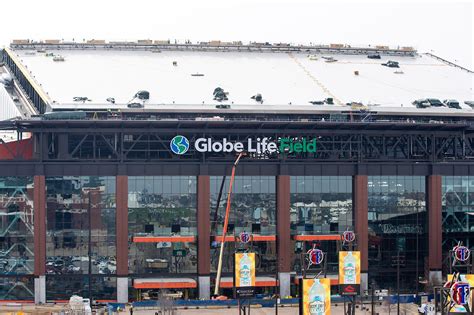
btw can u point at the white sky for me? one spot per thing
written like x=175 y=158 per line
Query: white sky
x=446 y=27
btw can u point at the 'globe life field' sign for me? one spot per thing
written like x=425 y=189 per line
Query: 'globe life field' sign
x=180 y=145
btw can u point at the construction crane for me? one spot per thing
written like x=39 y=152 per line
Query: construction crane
x=226 y=223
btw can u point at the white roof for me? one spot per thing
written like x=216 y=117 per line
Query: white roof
x=286 y=81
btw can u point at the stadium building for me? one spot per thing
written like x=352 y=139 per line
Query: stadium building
x=113 y=155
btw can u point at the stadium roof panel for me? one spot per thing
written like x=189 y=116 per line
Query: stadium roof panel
x=286 y=80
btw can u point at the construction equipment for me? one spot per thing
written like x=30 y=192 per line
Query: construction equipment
x=226 y=223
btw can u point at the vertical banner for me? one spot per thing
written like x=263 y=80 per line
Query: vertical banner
x=349 y=272
x=315 y=297
x=244 y=274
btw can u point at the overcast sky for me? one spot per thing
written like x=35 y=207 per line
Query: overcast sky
x=445 y=27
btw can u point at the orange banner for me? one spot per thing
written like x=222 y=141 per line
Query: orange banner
x=244 y=270
x=316 y=296
x=349 y=267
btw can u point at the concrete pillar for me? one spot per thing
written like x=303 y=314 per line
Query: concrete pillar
x=364 y=282
x=40 y=290
x=122 y=290
x=284 y=279
x=204 y=287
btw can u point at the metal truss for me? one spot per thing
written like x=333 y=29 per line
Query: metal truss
x=108 y=143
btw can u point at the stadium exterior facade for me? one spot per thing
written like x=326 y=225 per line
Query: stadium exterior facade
x=116 y=205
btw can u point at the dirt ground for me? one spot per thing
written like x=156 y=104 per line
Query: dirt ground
x=407 y=309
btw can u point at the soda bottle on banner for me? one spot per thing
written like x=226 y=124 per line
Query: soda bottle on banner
x=245 y=269
x=349 y=269
x=317 y=296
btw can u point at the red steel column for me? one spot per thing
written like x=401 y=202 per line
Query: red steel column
x=435 y=232
x=203 y=225
x=283 y=223
x=360 y=200
x=39 y=204
x=122 y=224
x=204 y=235
x=283 y=238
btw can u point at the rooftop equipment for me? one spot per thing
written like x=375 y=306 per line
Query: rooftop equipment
x=143 y=95
x=391 y=64
x=470 y=103
x=58 y=58
x=258 y=98
x=81 y=99
x=374 y=56
x=220 y=95
x=6 y=80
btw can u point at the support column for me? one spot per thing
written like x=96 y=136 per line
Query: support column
x=360 y=199
x=204 y=235
x=283 y=233
x=435 y=231
x=39 y=204
x=121 y=237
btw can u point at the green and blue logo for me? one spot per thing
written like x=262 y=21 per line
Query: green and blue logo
x=179 y=145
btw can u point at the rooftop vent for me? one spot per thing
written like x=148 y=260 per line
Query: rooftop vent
x=258 y=98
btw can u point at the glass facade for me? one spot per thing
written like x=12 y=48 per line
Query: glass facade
x=63 y=287
x=253 y=209
x=75 y=207
x=16 y=237
x=162 y=206
x=17 y=288
x=320 y=205
x=458 y=211
x=397 y=231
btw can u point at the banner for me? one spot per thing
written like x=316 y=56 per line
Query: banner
x=349 y=267
x=244 y=270
x=316 y=296
x=468 y=298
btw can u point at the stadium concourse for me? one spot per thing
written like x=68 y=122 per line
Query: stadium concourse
x=115 y=163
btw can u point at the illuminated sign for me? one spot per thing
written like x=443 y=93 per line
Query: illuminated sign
x=244 y=270
x=316 y=297
x=461 y=253
x=244 y=237
x=315 y=256
x=348 y=236
x=180 y=145
x=460 y=292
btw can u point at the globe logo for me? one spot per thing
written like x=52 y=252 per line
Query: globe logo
x=179 y=145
